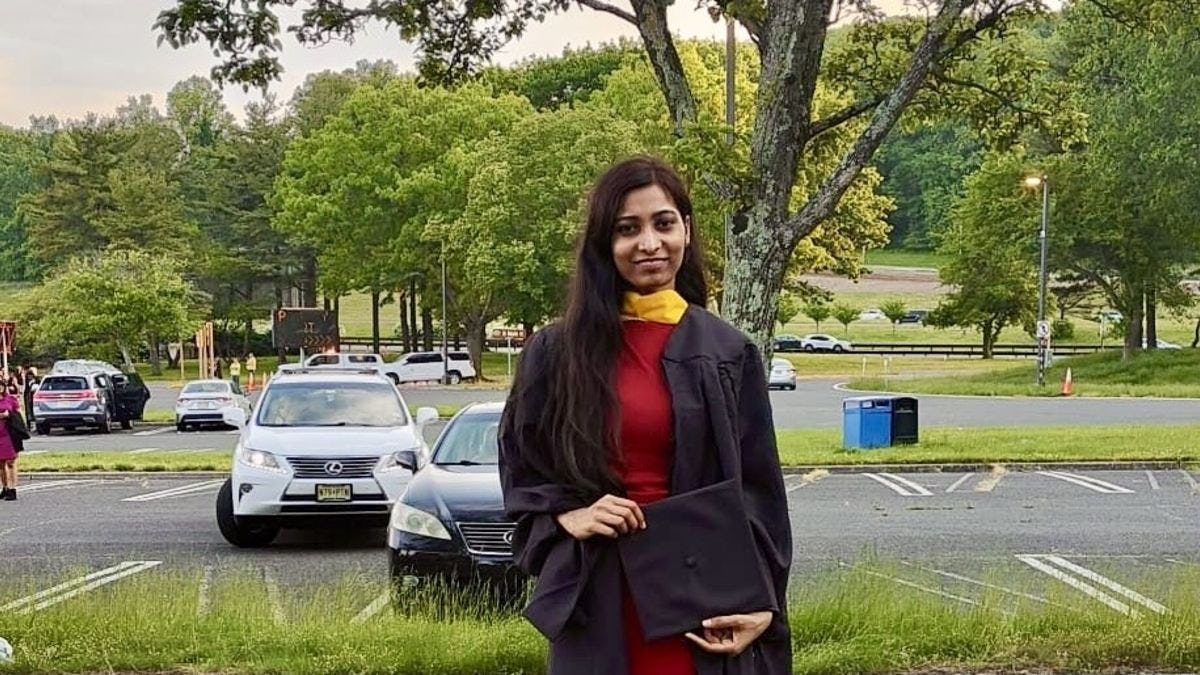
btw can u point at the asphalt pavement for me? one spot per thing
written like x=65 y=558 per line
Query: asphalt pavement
x=1104 y=535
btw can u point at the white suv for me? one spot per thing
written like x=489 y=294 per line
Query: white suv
x=411 y=367
x=321 y=443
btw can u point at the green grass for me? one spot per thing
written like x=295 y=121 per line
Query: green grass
x=1001 y=445
x=877 y=365
x=843 y=621
x=900 y=258
x=1161 y=373
x=806 y=447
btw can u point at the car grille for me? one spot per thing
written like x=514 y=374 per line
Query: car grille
x=316 y=467
x=488 y=538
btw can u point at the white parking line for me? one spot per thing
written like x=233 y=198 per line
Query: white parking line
x=1153 y=481
x=1094 y=484
x=74 y=587
x=1191 y=481
x=959 y=482
x=372 y=609
x=1106 y=582
x=27 y=453
x=984 y=584
x=919 y=587
x=141 y=451
x=1087 y=589
x=153 y=432
x=894 y=487
x=181 y=491
x=809 y=478
x=56 y=485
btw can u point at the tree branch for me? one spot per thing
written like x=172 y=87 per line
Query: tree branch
x=600 y=6
x=844 y=115
x=887 y=112
x=651 y=19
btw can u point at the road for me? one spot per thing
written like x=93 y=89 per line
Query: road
x=936 y=533
x=814 y=404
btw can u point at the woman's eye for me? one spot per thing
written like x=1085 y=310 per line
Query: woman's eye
x=625 y=229
x=666 y=224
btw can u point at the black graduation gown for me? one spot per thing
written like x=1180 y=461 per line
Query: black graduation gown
x=723 y=427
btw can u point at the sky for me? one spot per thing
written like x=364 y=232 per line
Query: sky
x=69 y=57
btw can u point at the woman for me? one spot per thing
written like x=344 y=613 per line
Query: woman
x=9 y=443
x=637 y=394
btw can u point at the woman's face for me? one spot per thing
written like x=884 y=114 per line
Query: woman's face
x=649 y=239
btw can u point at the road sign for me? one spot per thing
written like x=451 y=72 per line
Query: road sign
x=306 y=328
x=8 y=336
x=1043 y=330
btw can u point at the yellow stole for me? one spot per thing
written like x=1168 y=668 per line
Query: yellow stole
x=661 y=307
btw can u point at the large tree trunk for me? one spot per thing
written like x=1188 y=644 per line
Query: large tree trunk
x=125 y=357
x=411 y=308
x=1196 y=335
x=308 y=284
x=1133 y=322
x=475 y=327
x=753 y=278
x=989 y=338
x=375 y=320
x=405 y=330
x=155 y=357
x=1151 y=318
x=426 y=326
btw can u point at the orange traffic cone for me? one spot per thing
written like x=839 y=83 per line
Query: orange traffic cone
x=1068 y=384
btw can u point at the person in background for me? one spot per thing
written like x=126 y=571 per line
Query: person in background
x=251 y=367
x=235 y=372
x=9 y=442
x=31 y=382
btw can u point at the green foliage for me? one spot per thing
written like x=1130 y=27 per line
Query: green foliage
x=818 y=312
x=894 y=310
x=95 y=306
x=845 y=315
x=992 y=248
x=789 y=307
x=1062 y=329
x=21 y=152
x=568 y=79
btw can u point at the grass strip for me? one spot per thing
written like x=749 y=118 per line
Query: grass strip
x=845 y=621
x=805 y=447
x=1159 y=373
x=999 y=445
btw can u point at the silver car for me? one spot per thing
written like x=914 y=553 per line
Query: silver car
x=783 y=375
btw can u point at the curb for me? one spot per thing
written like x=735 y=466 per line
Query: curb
x=123 y=475
x=975 y=467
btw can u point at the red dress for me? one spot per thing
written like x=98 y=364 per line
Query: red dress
x=644 y=466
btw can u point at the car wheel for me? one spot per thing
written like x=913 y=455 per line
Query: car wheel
x=792 y=388
x=126 y=424
x=809 y=348
x=180 y=427
x=454 y=377
x=394 y=378
x=106 y=426
x=42 y=429
x=241 y=532
x=837 y=348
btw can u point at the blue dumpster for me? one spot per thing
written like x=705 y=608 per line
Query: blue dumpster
x=867 y=422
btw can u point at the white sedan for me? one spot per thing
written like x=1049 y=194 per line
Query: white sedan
x=820 y=342
x=205 y=402
x=783 y=375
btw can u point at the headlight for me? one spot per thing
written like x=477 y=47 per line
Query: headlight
x=258 y=459
x=415 y=521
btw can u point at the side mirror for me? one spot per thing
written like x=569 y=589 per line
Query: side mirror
x=425 y=415
x=120 y=380
x=234 y=417
x=407 y=459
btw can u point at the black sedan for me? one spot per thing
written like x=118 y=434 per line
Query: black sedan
x=450 y=522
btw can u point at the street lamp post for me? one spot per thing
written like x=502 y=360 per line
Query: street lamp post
x=1043 y=333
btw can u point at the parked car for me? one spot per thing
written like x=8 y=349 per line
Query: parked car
x=820 y=342
x=450 y=523
x=1161 y=344
x=915 y=316
x=871 y=314
x=337 y=360
x=788 y=343
x=205 y=402
x=427 y=367
x=783 y=375
x=1110 y=316
x=322 y=447
x=95 y=398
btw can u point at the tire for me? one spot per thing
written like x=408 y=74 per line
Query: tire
x=838 y=349
x=792 y=388
x=809 y=348
x=180 y=427
x=241 y=532
x=126 y=424
x=454 y=377
x=106 y=426
x=394 y=378
x=42 y=428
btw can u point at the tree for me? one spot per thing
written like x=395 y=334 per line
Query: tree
x=894 y=310
x=845 y=315
x=883 y=67
x=198 y=112
x=818 y=312
x=114 y=302
x=992 y=249
x=21 y=152
x=789 y=307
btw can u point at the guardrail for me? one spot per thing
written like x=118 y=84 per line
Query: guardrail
x=397 y=343
x=968 y=350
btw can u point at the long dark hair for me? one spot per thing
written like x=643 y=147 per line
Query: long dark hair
x=581 y=414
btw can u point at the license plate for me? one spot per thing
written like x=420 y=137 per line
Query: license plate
x=333 y=493
x=205 y=405
x=61 y=405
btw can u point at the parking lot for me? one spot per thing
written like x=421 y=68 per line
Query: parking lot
x=1094 y=533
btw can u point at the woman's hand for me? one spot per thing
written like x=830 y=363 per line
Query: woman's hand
x=610 y=516
x=731 y=634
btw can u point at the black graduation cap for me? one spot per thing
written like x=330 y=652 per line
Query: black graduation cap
x=696 y=559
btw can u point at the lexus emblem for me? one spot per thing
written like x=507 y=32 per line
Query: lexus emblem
x=508 y=537
x=333 y=468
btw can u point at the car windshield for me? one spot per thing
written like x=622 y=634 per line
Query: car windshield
x=472 y=439
x=206 y=388
x=64 y=384
x=331 y=404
